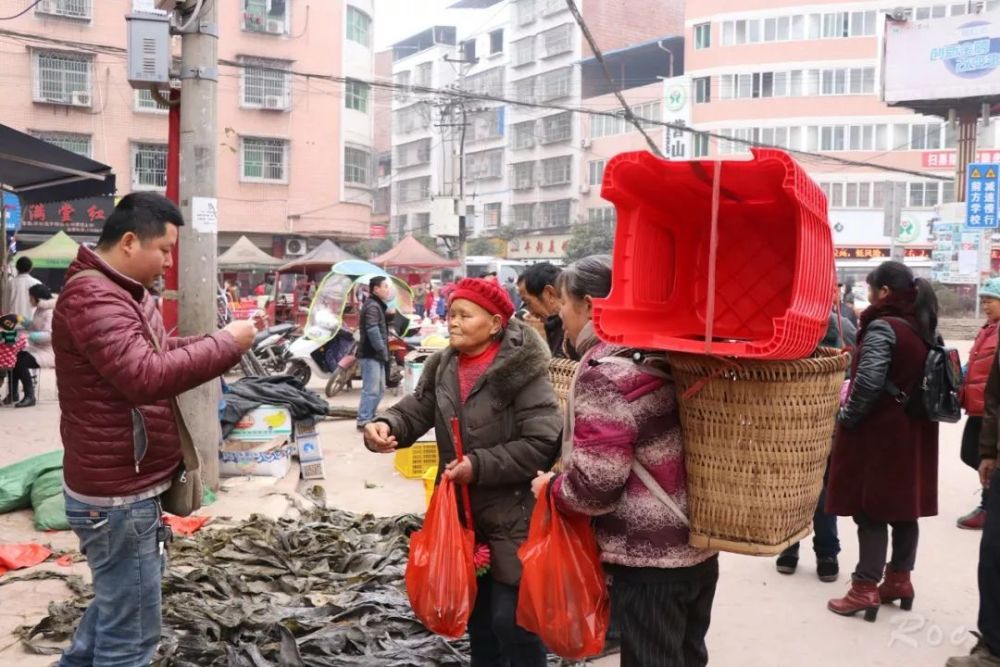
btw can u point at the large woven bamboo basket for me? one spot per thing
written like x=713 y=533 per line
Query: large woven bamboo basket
x=561 y=374
x=757 y=435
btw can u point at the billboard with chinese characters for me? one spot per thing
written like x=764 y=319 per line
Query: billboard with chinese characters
x=677 y=112
x=538 y=247
x=949 y=159
x=77 y=216
x=941 y=59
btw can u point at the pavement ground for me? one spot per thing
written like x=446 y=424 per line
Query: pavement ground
x=760 y=618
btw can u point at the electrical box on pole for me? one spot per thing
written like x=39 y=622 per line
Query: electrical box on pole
x=148 y=51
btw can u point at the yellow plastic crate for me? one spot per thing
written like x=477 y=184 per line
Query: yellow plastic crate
x=414 y=461
x=429 y=478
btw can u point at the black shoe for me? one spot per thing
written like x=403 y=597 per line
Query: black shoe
x=787 y=564
x=827 y=568
x=10 y=400
x=26 y=402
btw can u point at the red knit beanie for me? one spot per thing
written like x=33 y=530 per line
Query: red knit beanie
x=486 y=293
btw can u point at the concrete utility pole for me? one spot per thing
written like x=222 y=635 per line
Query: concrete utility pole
x=198 y=237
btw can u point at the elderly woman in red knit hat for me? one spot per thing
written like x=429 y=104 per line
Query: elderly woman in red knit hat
x=494 y=378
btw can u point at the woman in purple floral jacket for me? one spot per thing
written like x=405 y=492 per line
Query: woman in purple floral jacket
x=623 y=426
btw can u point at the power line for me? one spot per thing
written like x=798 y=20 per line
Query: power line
x=483 y=97
x=22 y=13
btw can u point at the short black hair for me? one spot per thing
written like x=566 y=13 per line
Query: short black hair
x=375 y=282
x=145 y=214
x=538 y=276
x=40 y=292
x=24 y=264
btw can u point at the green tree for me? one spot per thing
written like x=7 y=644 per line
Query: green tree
x=481 y=246
x=590 y=238
x=427 y=240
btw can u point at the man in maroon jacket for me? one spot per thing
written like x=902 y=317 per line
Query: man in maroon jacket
x=119 y=430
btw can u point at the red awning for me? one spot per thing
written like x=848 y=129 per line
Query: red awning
x=412 y=254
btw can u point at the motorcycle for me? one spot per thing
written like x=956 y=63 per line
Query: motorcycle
x=270 y=346
x=328 y=347
x=349 y=370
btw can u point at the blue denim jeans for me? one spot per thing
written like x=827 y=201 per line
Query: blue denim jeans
x=372 y=388
x=121 y=627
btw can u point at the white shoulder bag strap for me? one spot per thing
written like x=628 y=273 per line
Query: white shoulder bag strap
x=644 y=476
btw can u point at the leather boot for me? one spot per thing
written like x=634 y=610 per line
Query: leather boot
x=896 y=586
x=863 y=596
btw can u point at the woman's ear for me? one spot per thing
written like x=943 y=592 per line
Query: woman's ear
x=497 y=327
x=589 y=302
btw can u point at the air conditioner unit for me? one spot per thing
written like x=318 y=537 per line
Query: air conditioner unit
x=295 y=247
x=585 y=189
x=276 y=26
x=586 y=142
x=274 y=102
x=78 y=98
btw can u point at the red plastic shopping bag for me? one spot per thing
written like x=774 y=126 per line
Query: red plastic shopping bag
x=16 y=556
x=564 y=595
x=440 y=576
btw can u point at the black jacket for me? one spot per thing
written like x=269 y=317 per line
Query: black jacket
x=872 y=371
x=554 y=336
x=374 y=330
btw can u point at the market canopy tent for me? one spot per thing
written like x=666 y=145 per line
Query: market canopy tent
x=245 y=256
x=40 y=172
x=412 y=254
x=320 y=258
x=56 y=253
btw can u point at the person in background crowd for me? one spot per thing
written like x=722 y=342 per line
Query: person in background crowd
x=826 y=543
x=232 y=292
x=974 y=392
x=419 y=298
x=623 y=413
x=515 y=297
x=537 y=287
x=429 y=300
x=116 y=392
x=374 y=349
x=441 y=304
x=38 y=354
x=847 y=302
x=18 y=286
x=494 y=376
x=986 y=652
x=883 y=470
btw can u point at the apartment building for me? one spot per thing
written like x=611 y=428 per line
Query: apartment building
x=806 y=77
x=295 y=153
x=525 y=164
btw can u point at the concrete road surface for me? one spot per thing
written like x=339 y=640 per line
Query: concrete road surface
x=760 y=618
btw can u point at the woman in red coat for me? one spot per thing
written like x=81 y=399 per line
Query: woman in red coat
x=883 y=471
x=974 y=389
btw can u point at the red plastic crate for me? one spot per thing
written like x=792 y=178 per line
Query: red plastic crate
x=774 y=268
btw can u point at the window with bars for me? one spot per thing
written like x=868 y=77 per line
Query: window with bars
x=146 y=103
x=486 y=125
x=492 y=213
x=265 y=84
x=651 y=111
x=555 y=84
x=606 y=126
x=524 y=52
x=413 y=153
x=399 y=223
x=524 y=134
x=484 y=165
x=553 y=6
x=62 y=78
x=557 y=171
x=489 y=82
x=596 y=171
x=425 y=75
x=523 y=216
x=557 y=128
x=70 y=9
x=411 y=118
x=265 y=16
x=703 y=36
x=402 y=79
x=526 y=11
x=357 y=166
x=414 y=189
x=556 y=213
x=356 y=95
x=359 y=26
x=605 y=215
x=74 y=143
x=149 y=166
x=557 y=40
x=703 y=90
x=828 y=25
x=523 y=175
x=524 y=90
x=422 y=223
x=264 y=160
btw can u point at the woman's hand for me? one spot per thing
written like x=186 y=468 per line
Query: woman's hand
x=459 y=472
x=540 y=481
x=378 y=438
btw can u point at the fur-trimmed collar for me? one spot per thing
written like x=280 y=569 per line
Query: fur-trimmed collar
x=523 y=356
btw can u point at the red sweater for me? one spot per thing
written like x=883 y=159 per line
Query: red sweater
x=470 y=369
